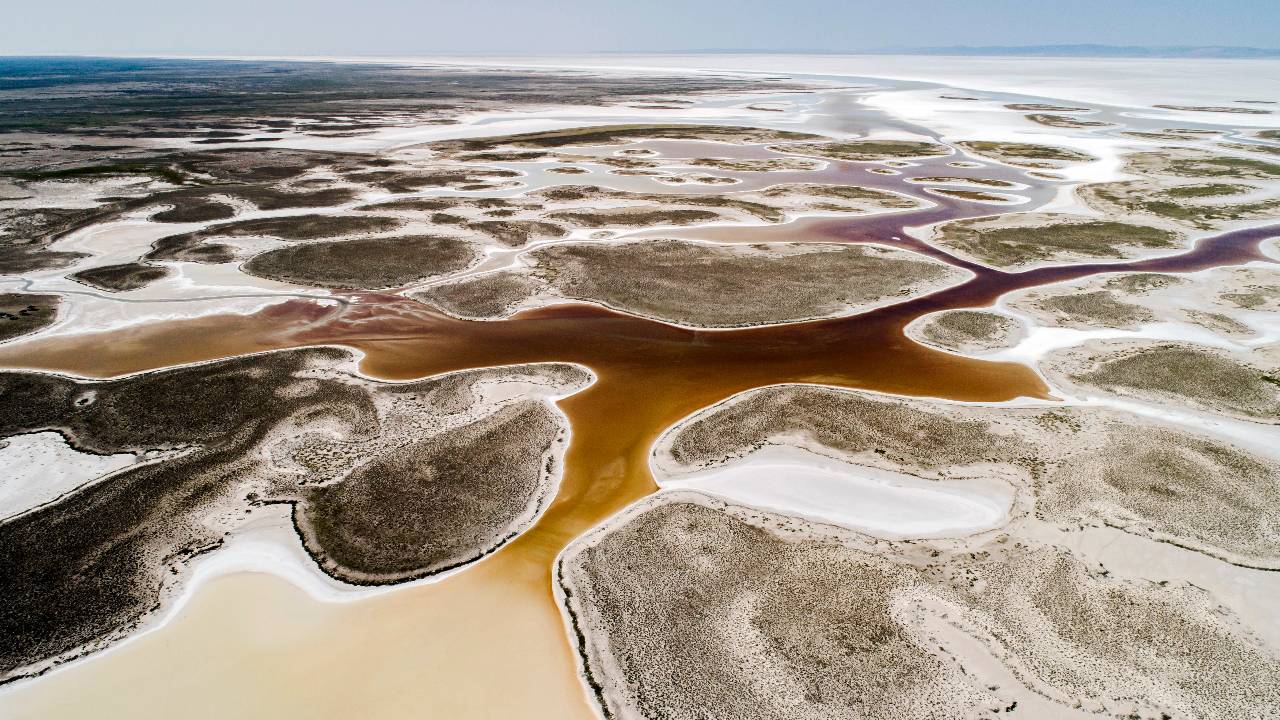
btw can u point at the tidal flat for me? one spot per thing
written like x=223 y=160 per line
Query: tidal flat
x=449 y=389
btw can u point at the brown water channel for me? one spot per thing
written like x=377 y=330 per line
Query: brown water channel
x=488 y=642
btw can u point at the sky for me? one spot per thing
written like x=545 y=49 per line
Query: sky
x=434 y=27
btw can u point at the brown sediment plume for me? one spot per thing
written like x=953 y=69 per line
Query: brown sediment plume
x=150 y=346
x=490 y=640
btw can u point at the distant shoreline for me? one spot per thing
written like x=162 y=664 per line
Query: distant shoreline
x=1047 y=51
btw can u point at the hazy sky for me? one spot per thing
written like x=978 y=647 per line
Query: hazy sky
x=427 y=27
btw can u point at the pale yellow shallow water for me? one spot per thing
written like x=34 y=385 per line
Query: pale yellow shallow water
x=489 y=641
x=251 y=645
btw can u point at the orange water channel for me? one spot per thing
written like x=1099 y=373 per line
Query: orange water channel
x=488 y=642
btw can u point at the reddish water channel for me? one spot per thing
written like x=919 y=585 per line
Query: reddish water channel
x=488 y=642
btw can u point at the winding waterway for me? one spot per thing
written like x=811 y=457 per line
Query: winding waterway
x=489 y=642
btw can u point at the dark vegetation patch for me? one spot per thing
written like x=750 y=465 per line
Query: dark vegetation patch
x=1253 y=295
x=1025 y=154
x=449 y=203
x=25 y=235
x=23 y=313
x=1161 y=135
x=1093 y=309
x=1175 y=484
x=971 y=195
x=267 y=198
x=1252 y=148
x=1043 y=107
x=968 y=330
x=486 y=296
x=129 y=98
x=614 y=161
x=413 y=180
x=826 y=197
x=866 y=150
x=195 y=210
x=227 y=141
x=433 y=504
x=754 y=611
x=249 y=176
x=1185 y=373
x=632 y=217
x=1199 y=164
x=123 y=277
x=1219 y=323
x=957 y=180
x=517 y=233
x=750 y=600
x=505 y=156
x=1207 y=190
x=919 y=440
x=1195 y=205
x=1139 y=283
x=725 y=286
x=156 y=169
x=1216 y=109
x=92 y=564
x=699 y=284
x=194 y=246
x=999 y=244
x=620 y=134
x=1066 y=121
x=657 y=207
x=757 y=165
x=366 y=263
x=770 y=204
x=306 y=227
x=229 y=166
x=86 y=569
x=190 y=247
